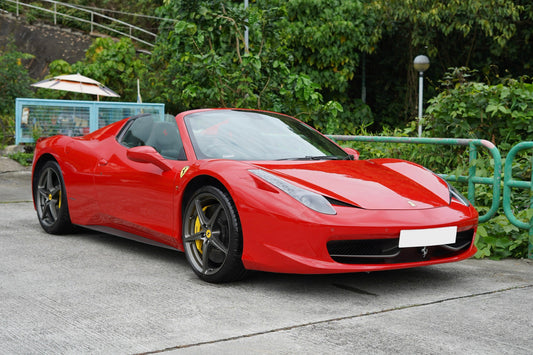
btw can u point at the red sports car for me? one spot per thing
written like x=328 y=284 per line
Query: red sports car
x=240 y=190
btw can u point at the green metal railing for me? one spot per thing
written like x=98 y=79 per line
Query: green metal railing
x=509 y=183
x=471 y=179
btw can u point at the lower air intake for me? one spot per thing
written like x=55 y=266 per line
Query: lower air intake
x=386 y=251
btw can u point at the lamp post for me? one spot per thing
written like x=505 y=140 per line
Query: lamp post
x=421 y=64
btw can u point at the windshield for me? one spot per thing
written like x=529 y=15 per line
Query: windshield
x=253 y=135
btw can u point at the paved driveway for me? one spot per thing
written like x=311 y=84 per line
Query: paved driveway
x=94 y=293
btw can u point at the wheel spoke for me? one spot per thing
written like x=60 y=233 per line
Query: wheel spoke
x=49 y=181
x=44 y=209
x=194 y=237
x=205 y=258
x=200 y=212
x=214 y=217
x=217 y=243
x=54 y=191
x=52 y=206
x=43 y=193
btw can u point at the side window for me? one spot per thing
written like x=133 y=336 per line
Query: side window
x=138 y=132
x=156 y=131
x=165 y=138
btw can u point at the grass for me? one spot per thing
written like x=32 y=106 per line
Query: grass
x=25 y=159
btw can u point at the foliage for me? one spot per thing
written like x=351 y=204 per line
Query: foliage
x=14 y=78
x=22 y=158
x=502 y=113
x=14 y=82
x=7 y=129
x=329 y=43
x=326 y=38
x=202 y=62
x=115 y=64
x=500 y=239
x=488 y=35
x=455 y=19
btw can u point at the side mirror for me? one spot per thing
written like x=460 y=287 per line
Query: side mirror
x=147 y=154
x=352 y=152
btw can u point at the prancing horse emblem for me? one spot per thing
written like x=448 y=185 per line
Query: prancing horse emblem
x=183 y=171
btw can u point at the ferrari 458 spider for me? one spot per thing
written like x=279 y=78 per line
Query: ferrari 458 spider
x=240 y=190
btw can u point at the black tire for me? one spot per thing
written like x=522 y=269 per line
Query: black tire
x=212 y=236
x=50 y=199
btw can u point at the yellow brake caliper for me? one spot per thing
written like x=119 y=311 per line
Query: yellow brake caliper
x=59 y=202
x=198 y=229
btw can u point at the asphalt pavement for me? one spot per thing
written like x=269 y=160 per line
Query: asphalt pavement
x=94 y=293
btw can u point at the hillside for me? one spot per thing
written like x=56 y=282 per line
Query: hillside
x=47 y=43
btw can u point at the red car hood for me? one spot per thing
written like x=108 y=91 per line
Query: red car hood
x=369 y=184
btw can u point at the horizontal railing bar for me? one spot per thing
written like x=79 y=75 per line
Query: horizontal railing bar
x=55 y=12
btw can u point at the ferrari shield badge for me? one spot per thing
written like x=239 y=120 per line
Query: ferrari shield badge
x=183 y=171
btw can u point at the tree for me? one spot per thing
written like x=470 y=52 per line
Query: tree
x=14 y=78
x=113 y=63
x=304 y=54
x=327 y=40
x=202 y=61
x=502 y=113
x=453 y=33
x=14 y=82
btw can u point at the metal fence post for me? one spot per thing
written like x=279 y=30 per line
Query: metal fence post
x=472 y=171
x=508 y=183
x=530 y=235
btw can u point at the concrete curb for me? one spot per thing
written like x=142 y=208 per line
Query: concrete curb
x=8 y=165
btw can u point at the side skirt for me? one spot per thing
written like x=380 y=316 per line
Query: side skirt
x=130 y=236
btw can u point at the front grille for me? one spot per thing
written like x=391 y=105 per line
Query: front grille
x=386 y=251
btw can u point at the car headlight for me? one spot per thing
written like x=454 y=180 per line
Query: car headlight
x=308 y=198
x=457 y=195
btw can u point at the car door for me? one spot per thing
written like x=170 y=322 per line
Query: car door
x=139 y=197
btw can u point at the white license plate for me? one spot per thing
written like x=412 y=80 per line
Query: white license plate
x=427 y=237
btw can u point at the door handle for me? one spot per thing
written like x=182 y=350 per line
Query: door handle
x=102 y=162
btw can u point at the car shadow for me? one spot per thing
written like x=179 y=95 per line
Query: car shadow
x=145 y=250
x=367 y=284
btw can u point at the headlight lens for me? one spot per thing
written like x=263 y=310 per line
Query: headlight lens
x=457 y=195
x=309 y=199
